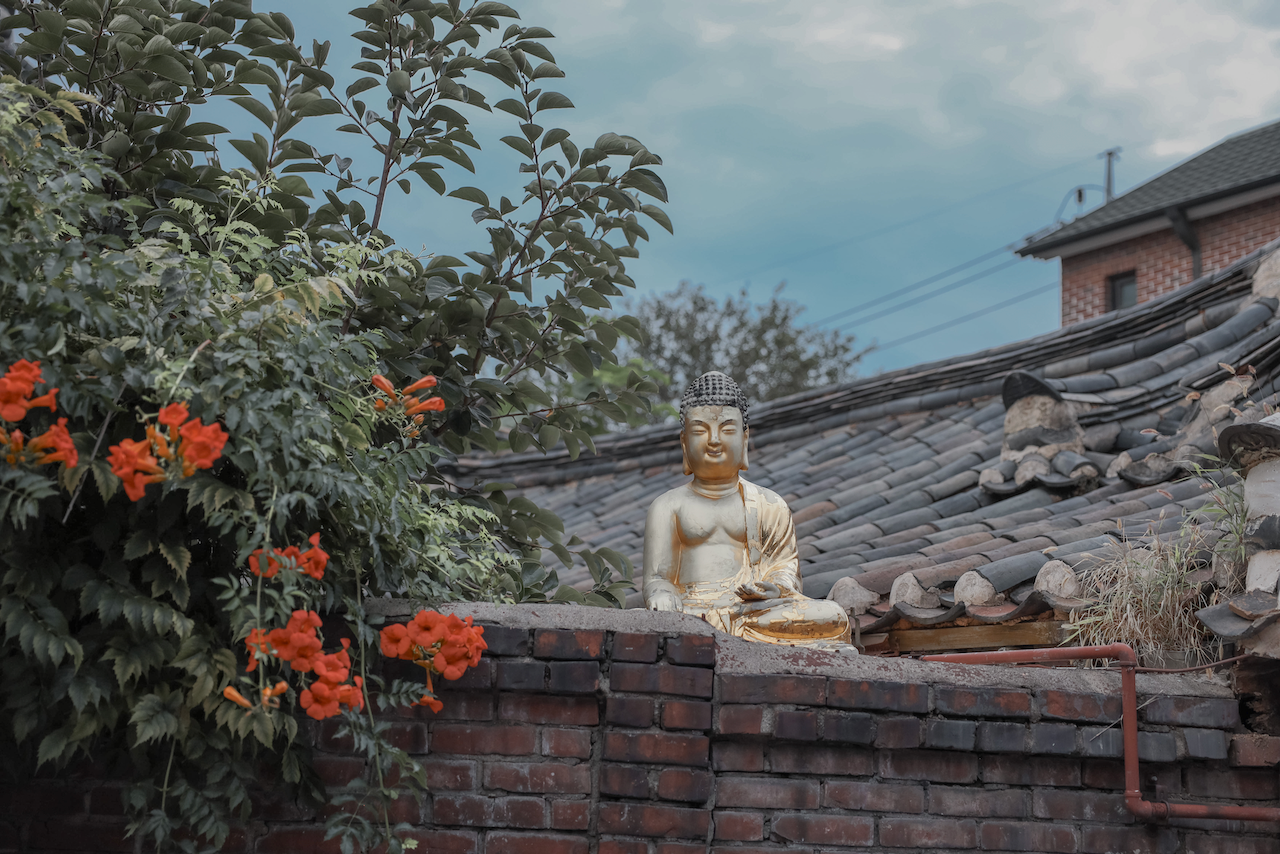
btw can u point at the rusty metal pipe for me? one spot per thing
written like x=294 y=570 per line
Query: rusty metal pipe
x=1128 y=661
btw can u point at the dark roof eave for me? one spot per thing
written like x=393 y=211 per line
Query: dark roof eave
x=1035 y=248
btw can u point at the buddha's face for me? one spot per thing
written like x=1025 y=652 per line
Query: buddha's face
x=714 y=442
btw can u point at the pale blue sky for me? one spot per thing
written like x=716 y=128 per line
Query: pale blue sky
x=796 y=134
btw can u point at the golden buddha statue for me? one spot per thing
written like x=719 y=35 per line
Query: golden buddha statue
x=722 y=548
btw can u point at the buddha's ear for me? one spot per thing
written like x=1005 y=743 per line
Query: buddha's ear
x=684 y=455
x=746 y=443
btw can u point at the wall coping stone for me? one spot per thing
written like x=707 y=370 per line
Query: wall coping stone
x=738 y=656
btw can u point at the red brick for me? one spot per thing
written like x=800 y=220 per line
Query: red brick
x=661 y=748
x=982 y=702
x=1094 y=708
x=686 y=714
x=49 y=801
x=1255 y=750
x=628 y=646
x=478 y=678
x=741 y=720
x=449 y=774
x=546 y=777
x=403 y=809
x=1020 y=771
x=624 y=781
x=699 y=650
x=772 y=688
x=977 y=803
x=661 y=679
x=573 y=677
x=480 y=811
x=534 y=843
x=338 y=770
x=685 y=784
x=654 y=820
x=824 y=829
x=898 y=733
x=503 y=739
x=71 y=834
x=1236 y=784
x=888 y=696
x=279 y=840
x=567 y=645
x=767 y=793
x=1214 y=713
x=681 y=848
x=629 y=711
x=1068 y=805
x=1028 y=836
x=928 y=833
x=826 y=759
x=1231 y=844
x=937 y=766
x=737 y=756
x=458 y=706
x=551 y=709
x=522 y=676
x=874 y=797
x=1139 y=839
x=103 y=800
x=571 y=815
x=796 y=726
x=850 y=727
x=505 y=641
x=569 y=743
x=1108 y=774
x=623 y=846
x=739 y=826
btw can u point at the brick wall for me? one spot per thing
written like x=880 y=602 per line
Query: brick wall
x=1162 y=261
x=589 y=732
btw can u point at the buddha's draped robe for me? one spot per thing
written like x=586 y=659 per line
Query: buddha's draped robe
x=770 y=556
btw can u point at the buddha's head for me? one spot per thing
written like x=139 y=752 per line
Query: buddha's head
x=713 y=427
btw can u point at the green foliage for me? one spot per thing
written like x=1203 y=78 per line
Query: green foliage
x=140 y=272
x=762 y=346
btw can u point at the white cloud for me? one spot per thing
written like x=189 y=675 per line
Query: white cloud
x=1175 y=75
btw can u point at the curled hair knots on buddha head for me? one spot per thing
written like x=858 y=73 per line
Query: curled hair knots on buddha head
x=713 y=389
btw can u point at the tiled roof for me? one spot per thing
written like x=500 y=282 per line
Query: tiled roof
x=1236 y=164
x=882 y=473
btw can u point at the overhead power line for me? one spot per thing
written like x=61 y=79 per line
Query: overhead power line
x=968 y=280
x=906 y=289
x=849 y=241
x=972 y=316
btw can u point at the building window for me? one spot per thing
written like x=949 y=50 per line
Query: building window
x=1122 y=290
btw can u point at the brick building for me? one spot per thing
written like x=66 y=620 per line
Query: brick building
x=1196 y=218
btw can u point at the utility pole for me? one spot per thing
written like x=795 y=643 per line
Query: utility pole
x=1109 y=185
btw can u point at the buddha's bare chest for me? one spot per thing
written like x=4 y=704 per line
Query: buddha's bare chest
x=705 y=520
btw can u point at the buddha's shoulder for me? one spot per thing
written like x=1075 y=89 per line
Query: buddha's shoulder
x=767 y=495
x=672 y=498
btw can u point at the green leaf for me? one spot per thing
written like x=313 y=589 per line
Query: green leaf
x=546 y=69
x=154 y=718
x=514 y=107
x=498 y=10
x=553 y=101
x=178 y=557
x=471 y=194
x=257 y=109
x=646 y=181
x=520 y=144
x=658 y=215
x=364 y=84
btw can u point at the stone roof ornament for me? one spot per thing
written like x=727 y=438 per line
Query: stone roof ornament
x=1043 y=443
